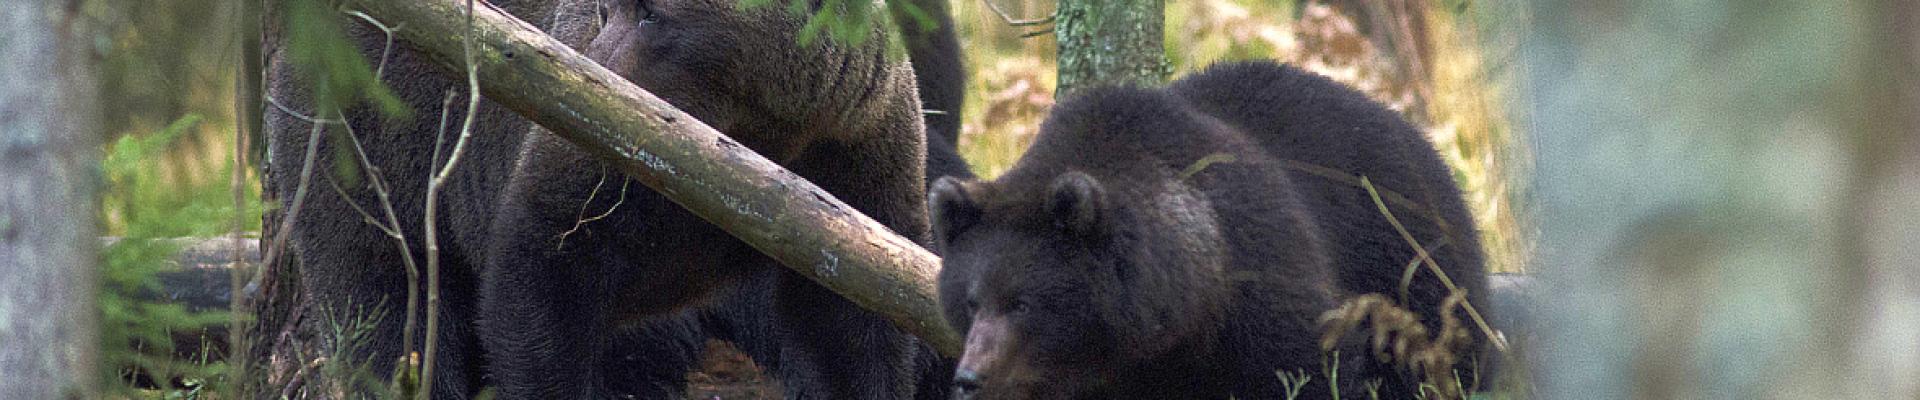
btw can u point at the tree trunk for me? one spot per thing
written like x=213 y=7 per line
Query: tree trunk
x=699 y=168
x=1882 y=230
x=1110 y=42
x=48 y=159
x=248 y=112
x=1709 y=232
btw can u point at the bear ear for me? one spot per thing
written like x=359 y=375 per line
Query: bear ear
x=1078 y=203
x=951 y=208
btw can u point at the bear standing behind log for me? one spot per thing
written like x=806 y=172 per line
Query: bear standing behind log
x=349 y=270
x=841 y=115
x=1171 y=243
x=352 y=272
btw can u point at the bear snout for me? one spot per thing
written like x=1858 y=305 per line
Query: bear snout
x=965 y=384
x=984 y=340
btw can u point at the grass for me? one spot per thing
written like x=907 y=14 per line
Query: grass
x=145 y=206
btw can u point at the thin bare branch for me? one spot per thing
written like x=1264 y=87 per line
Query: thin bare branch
x=581 y=218
x=1413 y=267
x=299 y=192
x=364 y=215
x=616 y=203
x=1386 y=194
x=1499 y=342
x=560 y=241
x=1037 y=33
x=433 y=191
x=386 y=50
x=303 y=117
x=1017 y=22
x=378 y=183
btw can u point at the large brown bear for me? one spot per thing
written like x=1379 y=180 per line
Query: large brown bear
x=350 y=271
x=561 y=282
x=1182 y=242
x=738 y=71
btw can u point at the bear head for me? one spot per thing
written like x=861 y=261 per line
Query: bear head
x=1064 y=284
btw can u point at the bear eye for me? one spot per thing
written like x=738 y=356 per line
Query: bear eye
x=647 y=16
x=972 y=306
x=1019 y=307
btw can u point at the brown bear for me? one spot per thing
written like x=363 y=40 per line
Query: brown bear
x=351 y=272
x=558 y=285
x=1182 y=242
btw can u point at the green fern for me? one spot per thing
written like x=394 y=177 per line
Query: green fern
x=147 y=210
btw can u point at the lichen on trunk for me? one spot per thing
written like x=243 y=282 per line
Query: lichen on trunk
x=1110 y=42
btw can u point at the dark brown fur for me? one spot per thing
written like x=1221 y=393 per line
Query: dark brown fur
x=840 y=115
x=864 y=115
x=1123 y=257
x=351 y=271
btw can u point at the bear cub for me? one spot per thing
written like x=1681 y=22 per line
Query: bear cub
x=1183 y=242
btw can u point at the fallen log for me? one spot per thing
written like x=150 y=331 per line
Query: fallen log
x=711 y=175
x=200 y=281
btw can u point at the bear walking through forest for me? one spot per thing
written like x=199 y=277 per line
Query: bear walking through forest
x=1183 y=242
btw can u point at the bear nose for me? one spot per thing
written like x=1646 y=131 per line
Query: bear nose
x=965 y=383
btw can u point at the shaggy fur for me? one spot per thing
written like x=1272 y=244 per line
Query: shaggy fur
x=838 y=114
x=350 y=270
x=1167 y=243
x=844 y=117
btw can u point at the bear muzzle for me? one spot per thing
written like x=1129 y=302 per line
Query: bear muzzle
x=984 y=339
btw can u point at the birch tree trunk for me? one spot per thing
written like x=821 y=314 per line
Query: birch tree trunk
x=48 y=162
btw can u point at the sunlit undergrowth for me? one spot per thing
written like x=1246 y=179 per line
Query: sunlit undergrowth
x=144 y=206
x=1459 y=102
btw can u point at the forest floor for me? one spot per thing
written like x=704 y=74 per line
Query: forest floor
x=727 y=374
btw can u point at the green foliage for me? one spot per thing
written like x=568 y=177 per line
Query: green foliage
x=162 y=59
x=323 y=54
x=320 y=48
x=342 y=372
x=1293 y=382
x=148 y=207
x=845 y=21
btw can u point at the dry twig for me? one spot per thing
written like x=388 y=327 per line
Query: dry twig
x=433 y=191
x=1499 y=343
x=1022 y=22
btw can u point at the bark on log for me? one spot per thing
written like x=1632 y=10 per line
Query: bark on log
x=711 y=175
x=199 y=279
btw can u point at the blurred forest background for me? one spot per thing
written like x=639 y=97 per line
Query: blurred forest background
x=1719 y=196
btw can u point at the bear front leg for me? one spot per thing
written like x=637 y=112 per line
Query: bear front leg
x=832 y=349
x=544 y=319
